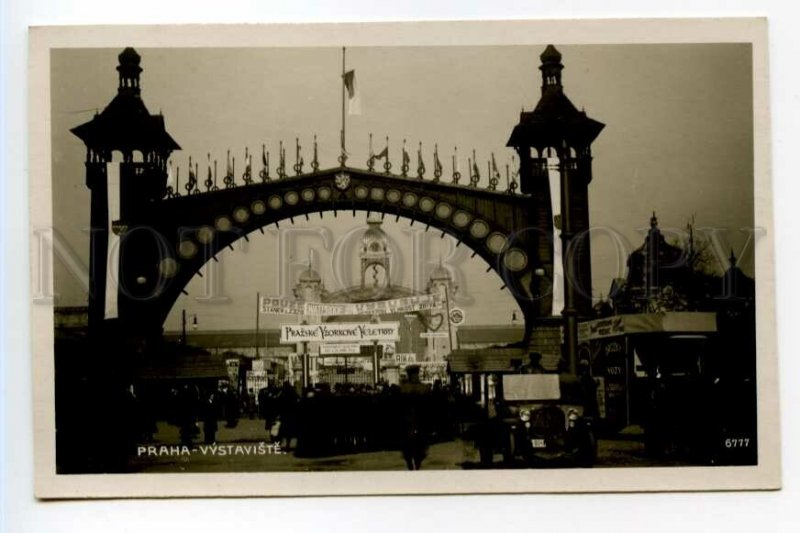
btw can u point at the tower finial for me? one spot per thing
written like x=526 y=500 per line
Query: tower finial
x=129 y=71
x=732 y=259
x=654 y=221
x=551 y=68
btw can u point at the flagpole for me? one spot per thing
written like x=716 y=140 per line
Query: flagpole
x=343 y=115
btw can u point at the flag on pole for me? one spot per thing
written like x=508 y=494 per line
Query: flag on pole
x=353 y=100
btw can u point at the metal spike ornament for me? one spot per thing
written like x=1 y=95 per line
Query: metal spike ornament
x=192 y=181
x=315 y=161
x=168 y=191
x=298 y=165
x=371 y=159
x=406 y=160
x=209 y=177
x=456 y=173
x=178 y=181
x=228 y=179
x=437 y=165
x=247 y=176
x=196 y=189
x=387 y=165
x=475 y=174
x=215 y=188
x=420 y=163
x=264 y=173
x=281 y=170
x=494 y=175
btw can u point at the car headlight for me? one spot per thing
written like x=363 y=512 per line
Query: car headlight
x=572 y=416
x=525 y=415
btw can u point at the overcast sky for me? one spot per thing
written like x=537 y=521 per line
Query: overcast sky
x=678 y=141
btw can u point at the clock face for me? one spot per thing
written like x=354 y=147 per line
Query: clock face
x=342 y=181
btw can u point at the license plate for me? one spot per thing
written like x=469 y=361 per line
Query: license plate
x=538 y=443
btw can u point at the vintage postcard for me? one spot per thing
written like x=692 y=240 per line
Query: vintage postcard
x=416 y=258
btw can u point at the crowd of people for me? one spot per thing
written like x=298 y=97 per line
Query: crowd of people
x=320 y=420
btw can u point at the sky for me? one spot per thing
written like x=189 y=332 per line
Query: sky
x=678 y=141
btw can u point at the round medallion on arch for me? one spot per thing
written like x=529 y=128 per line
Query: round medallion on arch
x=241 y=215
x=308 y=195
x=361 y=192
x=515 y=259
x=291 y=197
x=187 y=249
x=376 y=194
x=496 y=242
x=393 y=196
x=461 y=219
x=258 y=207
x=444 y=210
x=324 y=193
x=409 y=199
x=205 y=234
x=223 y=223
x=479 y=229
x=427 y=204
x=275 y=202
x=168 y=267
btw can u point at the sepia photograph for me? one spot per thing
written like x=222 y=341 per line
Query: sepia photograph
x=502 y=264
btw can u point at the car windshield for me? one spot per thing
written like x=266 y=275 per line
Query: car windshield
x=542 y=387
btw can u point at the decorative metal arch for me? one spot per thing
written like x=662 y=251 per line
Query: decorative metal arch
x=165 y=245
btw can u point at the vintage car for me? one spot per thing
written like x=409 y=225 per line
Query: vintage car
x=540 y=420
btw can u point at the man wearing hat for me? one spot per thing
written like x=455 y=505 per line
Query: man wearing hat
x=414 y=401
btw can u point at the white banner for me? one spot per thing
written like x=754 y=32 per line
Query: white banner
x=434 y=335
x=382 y=331
x=409 y=304
x=337 y=349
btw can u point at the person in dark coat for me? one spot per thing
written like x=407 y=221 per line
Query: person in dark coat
x=534 y=365
x=415 y=405
x=231 y=408
x=187 y=415
x=210 y=414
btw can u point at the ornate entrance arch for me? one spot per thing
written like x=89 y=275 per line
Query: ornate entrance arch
x=166 y=236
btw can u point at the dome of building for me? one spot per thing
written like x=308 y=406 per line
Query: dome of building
x=440 y=273
x=374 y=239
x=309 y=275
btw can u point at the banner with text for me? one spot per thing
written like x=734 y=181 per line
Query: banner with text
x=344 y=332
x=409 y=304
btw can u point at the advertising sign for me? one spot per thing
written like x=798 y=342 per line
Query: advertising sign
x=408 y=304
x=347 y=332
x=339 y=348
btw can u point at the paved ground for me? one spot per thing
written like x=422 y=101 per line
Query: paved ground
x=246 y=448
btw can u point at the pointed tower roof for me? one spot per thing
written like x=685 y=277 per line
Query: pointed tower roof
x=555 y=118
x=126 y=124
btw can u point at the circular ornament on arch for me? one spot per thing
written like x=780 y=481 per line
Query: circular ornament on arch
x=393 y=196
x=275 y=202
x=427 y=204
x=376 y=194
x=223 y=223
x=496 y=242
x=205 y=234
x=258 y=207
x=461 y=219
x=308 y=195
x=361 y=192
x=409 y=199
x=515 y=259
x=444 y=210
x=168 y=267
x=479 y=229
x=292 y=197
x=187 y=249
x=241 y=215
x=324 y=193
